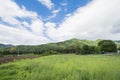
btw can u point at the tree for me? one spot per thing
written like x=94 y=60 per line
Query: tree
x=85 y=49
x=107 y=46
x=97 y=50
x=92 y=49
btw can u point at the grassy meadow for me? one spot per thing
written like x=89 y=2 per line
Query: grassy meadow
x=63 y=67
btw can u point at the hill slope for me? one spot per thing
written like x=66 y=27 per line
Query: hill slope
x=60 y=46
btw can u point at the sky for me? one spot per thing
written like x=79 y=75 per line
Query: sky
x=35 y=22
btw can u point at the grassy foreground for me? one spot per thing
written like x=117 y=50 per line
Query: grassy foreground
x=63 y=67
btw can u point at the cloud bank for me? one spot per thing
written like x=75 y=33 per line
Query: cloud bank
x=100 y=19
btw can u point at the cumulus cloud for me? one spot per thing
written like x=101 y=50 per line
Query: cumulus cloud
x=47 y=3
x=20 y=32
x=50 y=29
x=9 y=10
x=37 y=27
x=93 y=21
x=19 y=36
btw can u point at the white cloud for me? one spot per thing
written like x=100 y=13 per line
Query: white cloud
x=54 y=14
x=94 y=21
x=50 y=29
x=37 y=27
x=68 y=15
x=18 y=32
x=47 y=3
x=19 y=36
x=56 y=11
x=9 y=10
x=64 y=4
x=25 y=24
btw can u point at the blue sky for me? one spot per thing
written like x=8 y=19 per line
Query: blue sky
x=65 y=6
x=34 y=22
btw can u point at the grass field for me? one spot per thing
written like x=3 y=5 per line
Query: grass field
x=63 y=67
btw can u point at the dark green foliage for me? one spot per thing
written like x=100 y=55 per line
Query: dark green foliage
x=85 y=49
x=97 y=50
x=107 y=46
x=50 y=52
x=92 y=49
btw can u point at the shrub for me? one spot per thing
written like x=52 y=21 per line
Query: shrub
x=49 y=52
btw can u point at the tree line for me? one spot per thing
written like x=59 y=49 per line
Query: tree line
x=103 y=46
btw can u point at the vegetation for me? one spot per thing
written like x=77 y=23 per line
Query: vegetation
x=75 y=46
x=5 y=46
x=85 y=49
x=118 y=43
x=63 y=67
x=118 y=48
x=107 y=46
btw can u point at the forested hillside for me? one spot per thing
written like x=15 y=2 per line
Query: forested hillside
x=68 y=46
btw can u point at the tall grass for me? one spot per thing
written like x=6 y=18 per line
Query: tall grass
x=63 y=67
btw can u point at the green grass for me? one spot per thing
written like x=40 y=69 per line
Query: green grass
x=63 y=67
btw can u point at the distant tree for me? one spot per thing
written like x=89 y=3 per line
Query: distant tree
x=92 y=49
x=85 y=49
x=97 y=50
x=73 y=49
x=107 y=46
x=50 y=52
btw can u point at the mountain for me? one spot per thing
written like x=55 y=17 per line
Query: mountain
x=5 y=45
x=60 y=46
x=67 y=43
x=63 y=47
x=80 y=42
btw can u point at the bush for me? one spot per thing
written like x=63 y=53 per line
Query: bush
x=49 y=52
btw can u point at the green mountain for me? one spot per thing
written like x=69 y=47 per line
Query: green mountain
x=62 y=47
x=5 y=45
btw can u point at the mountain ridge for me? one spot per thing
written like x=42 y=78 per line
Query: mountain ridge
x=72 y=40
x=5 y=45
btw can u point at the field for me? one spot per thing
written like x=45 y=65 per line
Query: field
x=63 y=67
